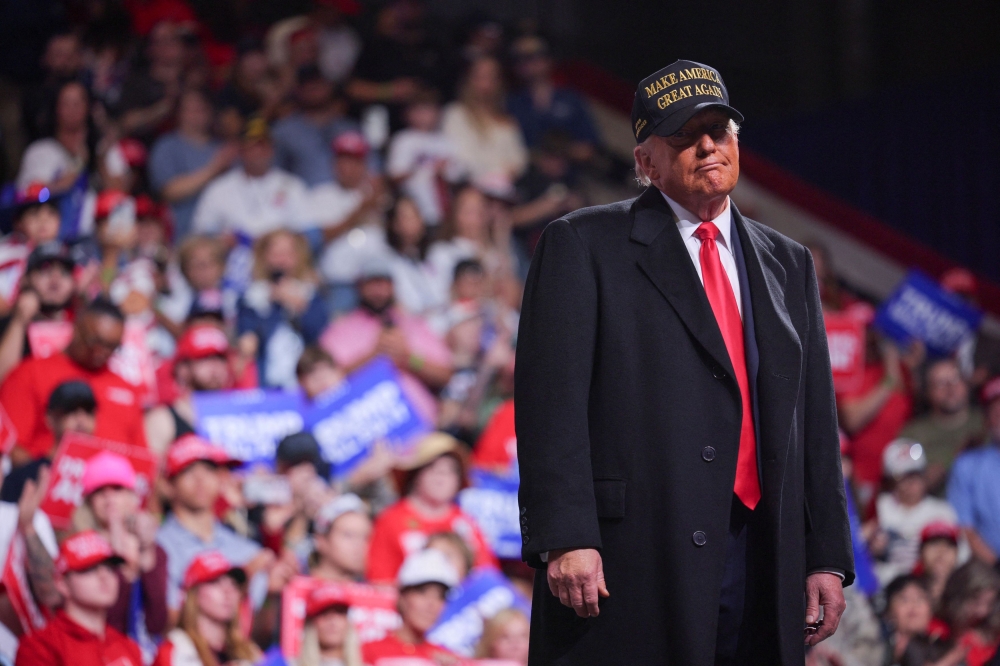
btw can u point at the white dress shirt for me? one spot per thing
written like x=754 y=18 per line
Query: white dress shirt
x=688 y=223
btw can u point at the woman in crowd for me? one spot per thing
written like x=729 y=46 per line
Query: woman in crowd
x=208 y=631
x=969 y=613
x=907 y=613
x=432 y=477
x=58 y=160
x=328 y=638
x=505 y=636
x=282 y=307
x=111 y=507
x=487 y=140
x=424 y=581
x=418 y=287
x=342 y=533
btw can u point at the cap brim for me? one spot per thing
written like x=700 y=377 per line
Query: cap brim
x=668 y=126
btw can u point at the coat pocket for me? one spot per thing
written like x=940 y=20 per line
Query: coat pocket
x=609 y=494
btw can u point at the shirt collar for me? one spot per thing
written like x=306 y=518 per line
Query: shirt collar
x=688 y=222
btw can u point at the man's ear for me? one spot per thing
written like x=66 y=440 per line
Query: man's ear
x=61 y=586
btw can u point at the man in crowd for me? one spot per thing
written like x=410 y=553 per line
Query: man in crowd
x=200 y=364
x=675 y=415
x=25 y=394
x=302 y=140
x=950 y=425
x=256 y=197
x=973 y=489
x=79 y=635
x=194 y=469
x=378 y=327
x=46 y=296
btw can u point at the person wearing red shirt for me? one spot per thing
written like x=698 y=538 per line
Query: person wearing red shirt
x=434 y=477
x=424 y=580
x=496 y=449
x=78 y=635
x=25 y=394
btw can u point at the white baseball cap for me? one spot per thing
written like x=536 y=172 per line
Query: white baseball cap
x=427 y=566
x=903 y=456
x=335 y=508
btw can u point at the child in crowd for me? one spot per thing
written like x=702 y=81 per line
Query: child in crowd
x=36 y=221
x=938 y=557
x=79 y=634
x=505 y=636
x=72 y=407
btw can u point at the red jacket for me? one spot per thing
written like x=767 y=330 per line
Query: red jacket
x=65 y=643
x=391 y=646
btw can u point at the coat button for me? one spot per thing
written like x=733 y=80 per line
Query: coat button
x=718 y=372
x=524 y=539
x=524 y=510
x=708 y=453
x=699 y=538
x=524 y=520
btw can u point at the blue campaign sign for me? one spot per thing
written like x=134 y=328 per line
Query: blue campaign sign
x=920 y=309
x=368 y=407
x=248 y=424
x=483 y=594
x=492 y=501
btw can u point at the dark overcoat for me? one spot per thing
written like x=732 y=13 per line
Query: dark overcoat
x=623 y=382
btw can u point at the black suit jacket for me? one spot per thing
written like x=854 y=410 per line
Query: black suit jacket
x=628 y=419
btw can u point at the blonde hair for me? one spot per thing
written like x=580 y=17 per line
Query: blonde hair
x=483 y=113
x=197 y=242
x=303 y=266
x=492 y=629
x=310 y=654
x=238 y=646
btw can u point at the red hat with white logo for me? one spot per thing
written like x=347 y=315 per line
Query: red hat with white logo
x=211 y=565
x=85 y=551
x=939 y=530
x=350 y=143
x=190 y=449
x=202 y=341
x=326 y=596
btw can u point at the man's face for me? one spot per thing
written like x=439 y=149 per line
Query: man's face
x=96 y=338
x=911 y=488
x=700 y=161
x=40 y=223
x=197 y=486
x=53 y=283
x=210 y=374
x=62 y=56
x=256 y=155
x=94 y=589
x=376 y=293
x=314 y=95
x=947 y=392
x=350 y=171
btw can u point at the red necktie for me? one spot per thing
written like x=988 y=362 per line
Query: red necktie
x=727 y=314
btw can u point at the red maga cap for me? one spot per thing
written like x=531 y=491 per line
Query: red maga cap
x=209 y=566
x=190 y=449
x=350 y=143
x=202 y=342
x=939 y=530
x=84 y=551
x=324 y=597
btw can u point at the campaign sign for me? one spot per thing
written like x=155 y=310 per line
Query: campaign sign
x=483 y=594
x=65 y=489
x=248 y=424
x=8 y=432
x=47 y=338
x=492 y=501
x=845 y=337
x=372 y=613
x=920 y=309
x=369 y=406
x=133 y=361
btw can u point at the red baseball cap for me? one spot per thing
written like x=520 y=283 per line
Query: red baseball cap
x=324 y=597
x=959 y=281
x=202 y=342
x=211 y=565
x=350 y=143
x=84 y=551
x=939 y=530
x=33 y=193
x=190 y=449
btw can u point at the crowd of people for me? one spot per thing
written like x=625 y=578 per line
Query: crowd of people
x=211 y=199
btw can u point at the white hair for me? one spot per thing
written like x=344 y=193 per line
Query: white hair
x=640 y=173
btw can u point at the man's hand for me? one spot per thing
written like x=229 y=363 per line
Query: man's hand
x=826 y=590
x=577 y=578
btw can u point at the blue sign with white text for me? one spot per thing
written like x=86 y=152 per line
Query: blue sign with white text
x=492 y=501
x=919 y=309
x=483 y=594
x=368 y=407
x=248 y=424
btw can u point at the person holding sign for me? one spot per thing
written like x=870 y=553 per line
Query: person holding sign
x=432 y=477
x=328 y=638
x=208 y=632
x=424 y=580
x=79 y=635
x=96 y=335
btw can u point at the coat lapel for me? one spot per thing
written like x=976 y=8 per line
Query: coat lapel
x=668 y=266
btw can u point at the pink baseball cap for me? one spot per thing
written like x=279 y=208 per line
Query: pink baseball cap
x=84 y=551
x=350 y=143
x=107 y=469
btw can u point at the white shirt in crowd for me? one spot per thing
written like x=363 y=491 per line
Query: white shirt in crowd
x=417 y=153
x=418 y=286
x=498 y=149
x=330 y=204
x=237 y=202
x=688 y=223
x=903 y=525
x=339 y=48
x=45 y=161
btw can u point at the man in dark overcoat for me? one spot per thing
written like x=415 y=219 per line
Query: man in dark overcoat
x=677 y=434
